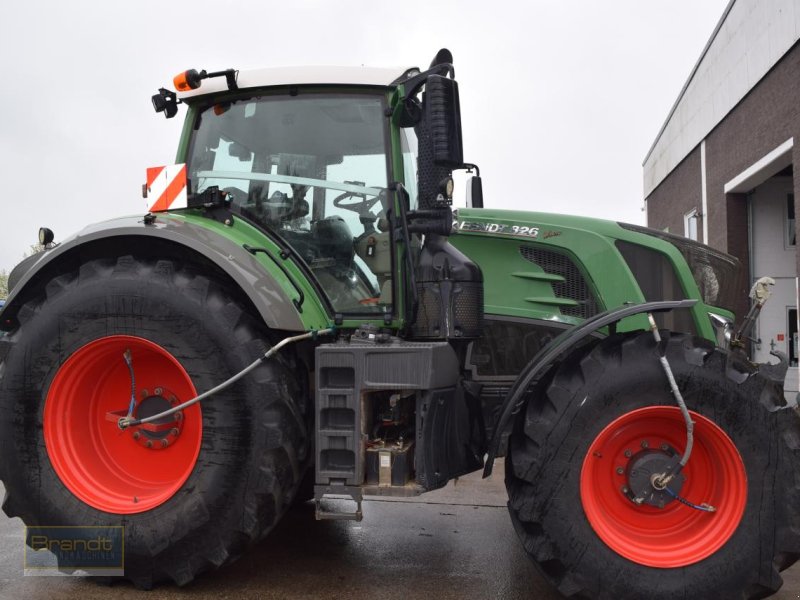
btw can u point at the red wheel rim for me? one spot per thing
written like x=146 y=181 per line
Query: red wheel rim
x=676 y=535
x=99 y=463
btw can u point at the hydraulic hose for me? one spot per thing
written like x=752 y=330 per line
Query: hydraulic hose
x=665 y=478
x=660 y=481
x=126 y=422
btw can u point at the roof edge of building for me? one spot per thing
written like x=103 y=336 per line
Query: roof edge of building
x=689 y=79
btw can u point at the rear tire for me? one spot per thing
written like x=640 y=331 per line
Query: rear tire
x=252 y=442
x=569 y=513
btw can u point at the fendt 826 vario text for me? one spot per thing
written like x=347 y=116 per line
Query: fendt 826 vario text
x=301 y=315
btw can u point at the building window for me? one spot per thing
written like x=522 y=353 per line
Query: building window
x=690 y=224
x=791 y=236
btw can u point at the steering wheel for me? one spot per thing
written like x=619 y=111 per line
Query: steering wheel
x=361 y=205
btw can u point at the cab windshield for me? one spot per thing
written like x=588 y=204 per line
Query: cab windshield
x=311 y=168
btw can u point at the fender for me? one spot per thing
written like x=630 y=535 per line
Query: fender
x=272 y=302
x=565 y=342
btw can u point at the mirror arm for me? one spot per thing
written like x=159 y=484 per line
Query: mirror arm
x=414 y=84
x=470 y=166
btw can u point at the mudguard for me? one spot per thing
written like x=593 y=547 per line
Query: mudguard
x=272 y=302
x=562 y=344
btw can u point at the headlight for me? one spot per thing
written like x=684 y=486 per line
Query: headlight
x=46 y=236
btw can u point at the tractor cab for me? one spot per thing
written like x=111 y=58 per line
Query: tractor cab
x=313 y=169
x=332 y=171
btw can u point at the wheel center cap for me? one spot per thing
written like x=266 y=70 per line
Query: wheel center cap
x=643 y=471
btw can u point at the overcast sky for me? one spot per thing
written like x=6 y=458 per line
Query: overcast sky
x=560 y=99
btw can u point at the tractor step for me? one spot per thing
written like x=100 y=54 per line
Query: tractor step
x=337 y=494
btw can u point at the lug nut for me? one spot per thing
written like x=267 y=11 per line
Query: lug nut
x=144 y=393
x=173 y=400
x=149 y=443
x=664 y=447
x=645 y=444
x=158 y=391
x=178 y=416
x=174 y=431
x=620 y=470
x=136 y=435
x=164 y=443
x=628 y=453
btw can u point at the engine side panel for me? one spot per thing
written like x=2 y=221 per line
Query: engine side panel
x=567 y=269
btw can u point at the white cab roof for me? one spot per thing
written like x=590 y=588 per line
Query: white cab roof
x=277 y=76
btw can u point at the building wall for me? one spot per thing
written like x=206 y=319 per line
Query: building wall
x=766 y=118
x=677 y=195
x=752 y=36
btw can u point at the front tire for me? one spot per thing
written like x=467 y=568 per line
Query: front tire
x=577 y=450
x=191 y=498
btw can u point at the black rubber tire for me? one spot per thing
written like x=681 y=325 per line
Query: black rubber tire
x=598 y=385
x=255 y=441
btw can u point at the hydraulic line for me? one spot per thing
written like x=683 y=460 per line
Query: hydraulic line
x=128 y=421
x=662 y=480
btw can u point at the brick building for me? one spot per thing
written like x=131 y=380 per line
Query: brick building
x=721 y=170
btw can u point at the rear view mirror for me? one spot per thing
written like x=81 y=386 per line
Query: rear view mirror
x=475 y=192
x=443 y=115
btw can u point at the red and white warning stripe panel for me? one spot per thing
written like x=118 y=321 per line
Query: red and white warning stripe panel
x=166 y=188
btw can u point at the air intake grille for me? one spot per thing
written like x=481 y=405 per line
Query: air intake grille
x=574 y=286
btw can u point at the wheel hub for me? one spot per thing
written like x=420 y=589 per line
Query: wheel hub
x=643 y=473
x=162 y=432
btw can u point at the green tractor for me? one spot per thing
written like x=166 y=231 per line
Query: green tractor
x=302 y=315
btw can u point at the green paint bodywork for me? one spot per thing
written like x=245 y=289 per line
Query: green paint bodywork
x=516 y=287
x=314 y=314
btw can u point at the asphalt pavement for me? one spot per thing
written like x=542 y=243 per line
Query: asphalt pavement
x=455 y=543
